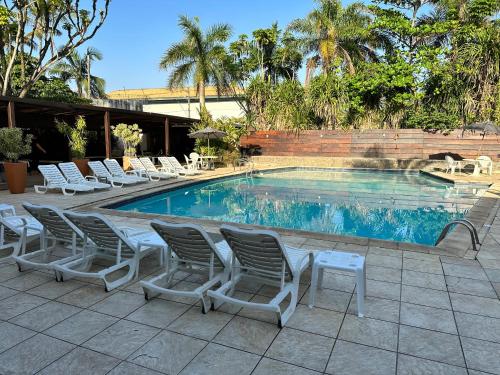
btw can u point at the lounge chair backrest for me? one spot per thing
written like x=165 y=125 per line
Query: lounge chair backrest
x=136 y=164
x=148 y=164
x=53 y=220
x=101 y=231
x=189 y=242
x=99 y=169
x=261 y=251
x=484 y=161
x=175 y=163
x=194 y=156
x=449 y=159
x=52 y=175
x=72 y=173
x=114 y=167
x=10 y=232
x=165 y=162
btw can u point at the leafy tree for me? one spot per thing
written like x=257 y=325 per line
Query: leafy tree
x=46 y=32
x=333 y=36
x=200 y=56
x=76 y=68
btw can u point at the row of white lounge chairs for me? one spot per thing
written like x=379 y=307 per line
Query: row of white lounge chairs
x=107 y=174
x=256 y=255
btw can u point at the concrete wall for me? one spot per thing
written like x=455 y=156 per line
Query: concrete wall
x=216 y=108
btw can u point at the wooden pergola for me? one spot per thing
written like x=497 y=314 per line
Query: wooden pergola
x=35 y=114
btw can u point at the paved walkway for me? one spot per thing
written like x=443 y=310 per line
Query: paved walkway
x=425 y=314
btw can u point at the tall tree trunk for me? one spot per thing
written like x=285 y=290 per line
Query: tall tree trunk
x=201 y=88
x=88 y=77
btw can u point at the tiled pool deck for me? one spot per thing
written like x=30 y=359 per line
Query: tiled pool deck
x=426 y=314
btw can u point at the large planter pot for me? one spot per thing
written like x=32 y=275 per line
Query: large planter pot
x=83 y=166
x=16 y=174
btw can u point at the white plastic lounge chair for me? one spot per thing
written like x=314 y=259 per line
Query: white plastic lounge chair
x=116 y=170
x=174 y=165
x=261 y=256
x=485 y=163
x=122 y=245
x=153 y=172
x=53 y=179
x=58 y=229
x=74 y=176
x=100 y=171
x=16 y=232
x=190 y=249
x=452 y=165
x=193 y=164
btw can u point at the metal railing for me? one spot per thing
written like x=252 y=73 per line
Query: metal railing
x=466 y=223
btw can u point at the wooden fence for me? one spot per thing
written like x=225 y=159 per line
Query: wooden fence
x=396 y=144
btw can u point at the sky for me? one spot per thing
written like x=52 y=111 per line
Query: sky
x=137 y=32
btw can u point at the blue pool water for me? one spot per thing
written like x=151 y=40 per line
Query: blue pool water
x=408 y=207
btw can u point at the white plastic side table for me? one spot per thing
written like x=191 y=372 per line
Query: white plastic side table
x=339 y=261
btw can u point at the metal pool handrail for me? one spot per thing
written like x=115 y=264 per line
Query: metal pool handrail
x=466 y=223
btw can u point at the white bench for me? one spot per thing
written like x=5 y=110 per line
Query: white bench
x=339 y=261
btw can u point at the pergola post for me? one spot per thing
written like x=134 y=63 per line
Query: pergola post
x=167 y=137
x=107 y=134
x=11 y=115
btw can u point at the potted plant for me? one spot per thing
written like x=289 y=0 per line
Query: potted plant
x=12 y=146
x=77 y=138
x=130 y=136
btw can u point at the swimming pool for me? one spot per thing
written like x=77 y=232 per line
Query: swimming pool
x=389 y=205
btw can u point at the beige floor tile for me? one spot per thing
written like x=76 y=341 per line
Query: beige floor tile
x=85 y=296
x=316 y=320
x=383 y=274
x=301 y=348
x=377 y=308
x=168 y=352
x=119 y=304
x=29 y=280
x=247 y=334
x=372 y=332
x=54 y=289
x=470 y=286
x=42 y=317
x=426 y=297
x=482 y=355
x=12 y=335
x=355 y=359
x=203 y=326
x=158 y=313
x=127 y=368
x=32 y=355
x=436 y=346
x=329 y=299
x=81 y=361
x=428 y=318
x=424 y=280
x=18 y=304
x=478 y=327
x=408 y=365
x=121 y=339
x=344 y=283
x=384 y=261
x=81 y=327
x=7 y=292
x=382 y=289
x=219 y=360
x=269 y=366
x=476 y=305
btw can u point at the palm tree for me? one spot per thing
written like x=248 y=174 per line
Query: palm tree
x=331 y=35
x=77 y=69
x=198 y=56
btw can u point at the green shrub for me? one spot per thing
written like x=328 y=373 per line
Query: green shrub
x=129 y=135
x=77 y=136
x=13 y=145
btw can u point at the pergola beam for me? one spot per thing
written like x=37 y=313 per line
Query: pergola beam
x=107 y=133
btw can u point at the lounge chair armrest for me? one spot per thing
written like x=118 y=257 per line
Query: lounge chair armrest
x=129 y=231
x=91 y=178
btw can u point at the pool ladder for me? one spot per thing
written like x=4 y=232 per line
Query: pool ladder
x=466 y=223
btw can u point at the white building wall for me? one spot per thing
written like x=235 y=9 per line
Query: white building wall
x=218 y=109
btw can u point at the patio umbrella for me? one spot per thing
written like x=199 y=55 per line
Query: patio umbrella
x=208 y=133
x=485 y=127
